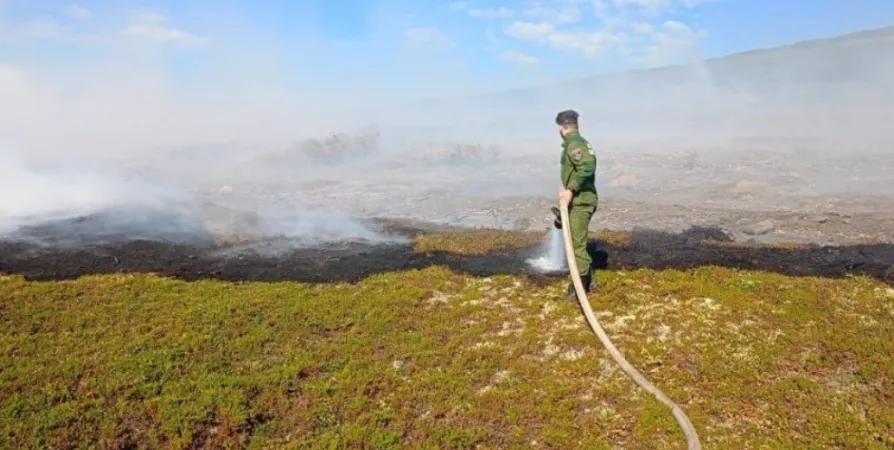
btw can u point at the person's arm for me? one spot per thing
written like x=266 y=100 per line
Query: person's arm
x=584 y=163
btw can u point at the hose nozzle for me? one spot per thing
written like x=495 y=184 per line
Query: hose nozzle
x=558 y=221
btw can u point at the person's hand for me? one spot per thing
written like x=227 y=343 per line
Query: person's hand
x=565 y=195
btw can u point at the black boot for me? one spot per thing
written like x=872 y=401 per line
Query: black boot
x=586 y=280
x=589 y=282
x=570 y=293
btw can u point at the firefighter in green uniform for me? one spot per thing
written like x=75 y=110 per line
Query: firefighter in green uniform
x=578 y=193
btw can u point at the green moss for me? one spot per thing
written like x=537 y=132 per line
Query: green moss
x=476 y=241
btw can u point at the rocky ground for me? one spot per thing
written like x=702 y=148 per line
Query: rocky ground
x=765 y=192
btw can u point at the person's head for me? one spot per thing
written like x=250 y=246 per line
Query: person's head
x=567 y=121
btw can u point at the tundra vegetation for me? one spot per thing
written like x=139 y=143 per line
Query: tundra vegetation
x=434 y=358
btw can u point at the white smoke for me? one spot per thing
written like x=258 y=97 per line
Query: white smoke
x=33 y=193
x=79 y=203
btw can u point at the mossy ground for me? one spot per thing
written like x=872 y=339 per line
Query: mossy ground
x=435 y=359
x=474 y=241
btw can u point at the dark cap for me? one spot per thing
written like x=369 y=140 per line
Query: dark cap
x=567 y=117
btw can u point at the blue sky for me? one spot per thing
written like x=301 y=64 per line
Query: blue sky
x=407 y=49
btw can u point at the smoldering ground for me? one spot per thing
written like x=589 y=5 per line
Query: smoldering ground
x=71 y=206
x=351 y=261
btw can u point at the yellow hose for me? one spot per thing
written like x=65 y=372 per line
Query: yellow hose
x=685 y=424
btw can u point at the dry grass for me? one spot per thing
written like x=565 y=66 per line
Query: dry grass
x=616 y=238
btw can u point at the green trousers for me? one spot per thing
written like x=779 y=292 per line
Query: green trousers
x=579 y=218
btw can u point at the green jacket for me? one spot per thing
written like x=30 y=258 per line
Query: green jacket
x=579 y=169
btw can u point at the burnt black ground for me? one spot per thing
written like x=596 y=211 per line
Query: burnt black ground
x=347 y=262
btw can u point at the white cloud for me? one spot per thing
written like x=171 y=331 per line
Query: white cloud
x=643 y=28
x=147 y=17
x=491 y=13
x=627 y=27
x=78 y=12
x=678 y=27
x=530 y=31
x=646 y=4
x=163 y=34
x=426 y=35
x=561 y=12
x=693 y=3
x=152 y=26
x=518 y=57
x=142 y=25
x=587 y=43
x=672 y=42
x=655 y=7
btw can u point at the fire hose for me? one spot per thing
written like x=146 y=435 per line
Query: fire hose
x=684 y=422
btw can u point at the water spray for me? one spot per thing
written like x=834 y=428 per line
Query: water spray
x=553 y=259
x=684 y=422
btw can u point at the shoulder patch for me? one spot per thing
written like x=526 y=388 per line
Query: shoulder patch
x=590 y=148
x=577 y=154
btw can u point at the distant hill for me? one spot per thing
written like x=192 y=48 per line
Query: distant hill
x=847 y=71
x=863 y=56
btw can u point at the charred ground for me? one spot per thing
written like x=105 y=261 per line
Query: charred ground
x=497 y=252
